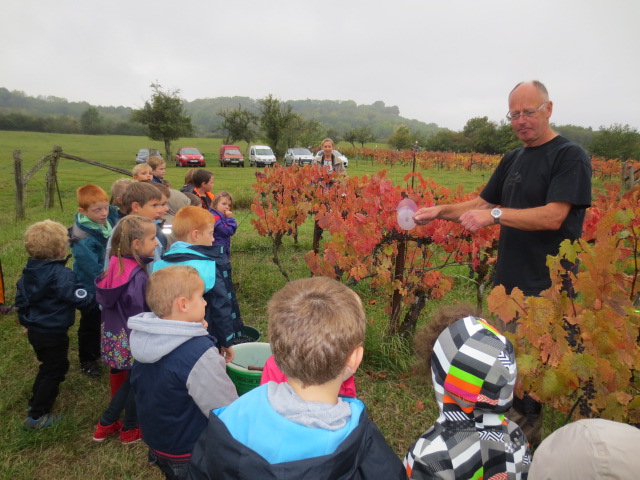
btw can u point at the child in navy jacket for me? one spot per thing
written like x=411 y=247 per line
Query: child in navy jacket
x=48 y=294
x=179 y=376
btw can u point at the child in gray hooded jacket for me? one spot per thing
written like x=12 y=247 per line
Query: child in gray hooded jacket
x=178 y=376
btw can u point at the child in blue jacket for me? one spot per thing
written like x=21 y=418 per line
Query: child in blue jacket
x=193 y=229
x=48 y=294
x=302 y=428
x=89 y=234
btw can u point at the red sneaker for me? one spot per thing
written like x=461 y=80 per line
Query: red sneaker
x=130 y=436
x=103 y=431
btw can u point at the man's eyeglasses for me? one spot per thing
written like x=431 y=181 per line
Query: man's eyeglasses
x=526 y=113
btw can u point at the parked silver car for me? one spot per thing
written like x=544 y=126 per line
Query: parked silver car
x=300 y=156
x=142 y=156
x=144 y=153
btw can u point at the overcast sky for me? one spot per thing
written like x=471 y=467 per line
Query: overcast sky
x=441 y=61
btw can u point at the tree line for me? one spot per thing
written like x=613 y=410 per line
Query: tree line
x=484 y=136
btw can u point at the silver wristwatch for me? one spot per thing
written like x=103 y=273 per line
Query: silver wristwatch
x=496 y=213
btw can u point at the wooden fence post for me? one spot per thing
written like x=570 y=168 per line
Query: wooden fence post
x=19 y=181
x=52 y=177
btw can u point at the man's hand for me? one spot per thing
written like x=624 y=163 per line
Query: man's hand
x=425 y=215
x=474 y=220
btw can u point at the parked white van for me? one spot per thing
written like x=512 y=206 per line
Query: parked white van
x=261 y=155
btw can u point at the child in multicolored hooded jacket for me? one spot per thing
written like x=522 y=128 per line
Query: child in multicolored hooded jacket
x=120 y=291
x=474 y=371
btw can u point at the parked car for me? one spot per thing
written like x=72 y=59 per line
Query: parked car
x=142 y=156
x=190 y=157
x=261 y=155
x=144 y=153
x=231 y=155
x=300 y=156
x=344 y=159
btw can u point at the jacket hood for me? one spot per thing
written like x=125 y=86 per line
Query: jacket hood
x=474 y=371
x=185 y=254
x=363 y=454
x=110 y=286
x=152 y=338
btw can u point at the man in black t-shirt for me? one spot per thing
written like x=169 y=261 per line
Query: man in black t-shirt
x=538 y=194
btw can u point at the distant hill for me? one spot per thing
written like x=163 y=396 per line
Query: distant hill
x=19 y=111
x=334 y=114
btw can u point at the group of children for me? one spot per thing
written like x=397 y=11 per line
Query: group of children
x=167 y=319
x=114 y=244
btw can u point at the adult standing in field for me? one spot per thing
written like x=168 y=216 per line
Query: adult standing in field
x=538 y=194
x=330 y=161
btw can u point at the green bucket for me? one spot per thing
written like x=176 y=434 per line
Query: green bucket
x=247 y=334
x=254 y=355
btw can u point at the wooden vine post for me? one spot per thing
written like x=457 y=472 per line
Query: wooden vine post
x=396 y=299
x=629 y=174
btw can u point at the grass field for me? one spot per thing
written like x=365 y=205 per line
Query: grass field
x=401 y=405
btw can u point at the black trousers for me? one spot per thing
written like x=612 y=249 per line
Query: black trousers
x=52 y=350
x=89 y=334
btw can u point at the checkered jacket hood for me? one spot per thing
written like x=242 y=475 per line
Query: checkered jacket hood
x=474 y=372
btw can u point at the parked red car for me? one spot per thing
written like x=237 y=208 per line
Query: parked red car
x=190 y=157
x=231 y=155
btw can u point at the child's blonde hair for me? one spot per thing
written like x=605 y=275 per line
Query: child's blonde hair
x=189 y=219
x=117 y=190
x=141 y=168
x=155 y=161
x=130 y=228
x=46 y=240
x=90 y=194
x=315 y=324
x=220 y=196
x=169 y=283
